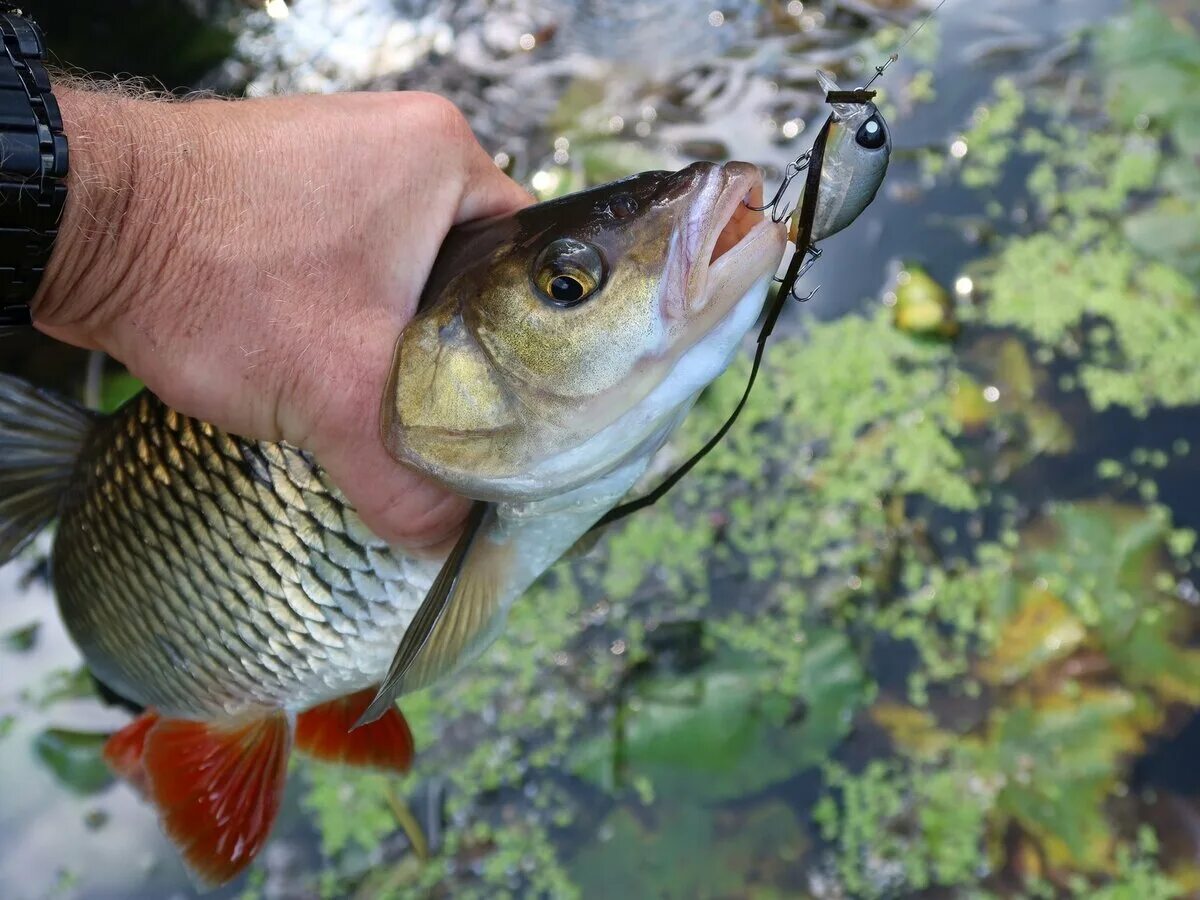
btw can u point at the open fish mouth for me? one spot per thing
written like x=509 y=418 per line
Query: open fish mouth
x=740 y=221
x=739 y=245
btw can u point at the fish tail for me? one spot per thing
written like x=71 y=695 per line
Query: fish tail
x=41 y=437
x=217 y=786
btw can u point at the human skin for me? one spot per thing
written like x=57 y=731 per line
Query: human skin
x=253 y=262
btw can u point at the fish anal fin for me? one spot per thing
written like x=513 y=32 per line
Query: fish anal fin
x=217 y=788
x=324 y=733
x=124 y=750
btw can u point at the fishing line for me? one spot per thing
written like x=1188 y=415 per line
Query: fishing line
x=804 y=256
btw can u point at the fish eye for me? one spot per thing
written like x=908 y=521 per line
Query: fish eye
x=568 y=271
x=872 y=135
x=622 y=206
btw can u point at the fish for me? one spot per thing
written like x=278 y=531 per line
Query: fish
x=226 y=585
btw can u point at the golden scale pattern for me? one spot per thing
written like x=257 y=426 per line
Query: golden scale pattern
x=203 y=574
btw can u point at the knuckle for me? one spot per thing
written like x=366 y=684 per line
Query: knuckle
x=440 y=116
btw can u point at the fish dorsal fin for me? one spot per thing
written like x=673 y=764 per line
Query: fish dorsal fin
x=324 y=733
x=216 y=786
x=459 y=614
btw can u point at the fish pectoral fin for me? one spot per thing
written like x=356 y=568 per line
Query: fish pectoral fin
x=586 y=543
x=216 y=786
x=458 y=616
x=325 y=733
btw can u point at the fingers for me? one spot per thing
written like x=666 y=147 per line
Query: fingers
x=488 y=191
x=403 y=507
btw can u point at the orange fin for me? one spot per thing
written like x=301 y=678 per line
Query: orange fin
x=123 y=751
x=324 y=732
x=217 y=788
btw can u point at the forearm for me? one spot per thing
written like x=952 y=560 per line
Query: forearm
x=88 y=265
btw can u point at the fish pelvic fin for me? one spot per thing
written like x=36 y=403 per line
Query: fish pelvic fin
x=459 y=616
x=124 y=750
x=216 y=786
x=325 y=733
x=41 y=437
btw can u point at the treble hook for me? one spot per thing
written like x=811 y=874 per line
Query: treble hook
x=809 y=296
x=814 y=253
x=794 y=168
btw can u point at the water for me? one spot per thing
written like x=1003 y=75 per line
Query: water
x=630 y=86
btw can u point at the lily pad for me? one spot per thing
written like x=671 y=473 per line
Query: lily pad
x=723 y=731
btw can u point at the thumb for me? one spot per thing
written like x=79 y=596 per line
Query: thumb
x=487 y=191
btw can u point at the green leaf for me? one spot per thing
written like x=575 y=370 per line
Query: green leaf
x=74 y=758
x=21 y=640
x=724 y=731
x=118 y=388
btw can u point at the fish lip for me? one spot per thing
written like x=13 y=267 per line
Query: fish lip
x=732 y=187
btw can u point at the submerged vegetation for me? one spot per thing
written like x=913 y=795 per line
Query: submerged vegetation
x=887 y=640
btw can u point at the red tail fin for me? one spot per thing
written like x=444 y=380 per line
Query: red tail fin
x=217 y=787
x=324 y=733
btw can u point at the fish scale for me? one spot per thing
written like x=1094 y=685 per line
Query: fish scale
x=207 y=575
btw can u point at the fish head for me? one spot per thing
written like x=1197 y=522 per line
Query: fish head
x=542 y=332
x=857 y=151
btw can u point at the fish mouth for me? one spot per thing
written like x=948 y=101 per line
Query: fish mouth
x=729 y=245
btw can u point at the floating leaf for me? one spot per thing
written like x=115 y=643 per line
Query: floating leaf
x=65 y=684
x=913 y=730
x=21 y=640
x=923 y=306
x=723 y=731
x=689 y=853
x=74 y=758
x=1042 y=630
x=1059 y=759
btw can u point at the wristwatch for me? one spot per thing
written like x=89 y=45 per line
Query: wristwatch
x=33 y=165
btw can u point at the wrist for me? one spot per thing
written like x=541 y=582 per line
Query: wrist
x=109 y=236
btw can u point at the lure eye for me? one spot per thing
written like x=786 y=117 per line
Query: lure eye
x=568 y=271
x=622 y=206
x=871 y=135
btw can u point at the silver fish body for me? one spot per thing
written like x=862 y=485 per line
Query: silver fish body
x=205 y=575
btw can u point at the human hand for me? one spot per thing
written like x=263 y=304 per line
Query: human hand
x=253 y=262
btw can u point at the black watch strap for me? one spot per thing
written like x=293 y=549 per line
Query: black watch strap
x=33 y=165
